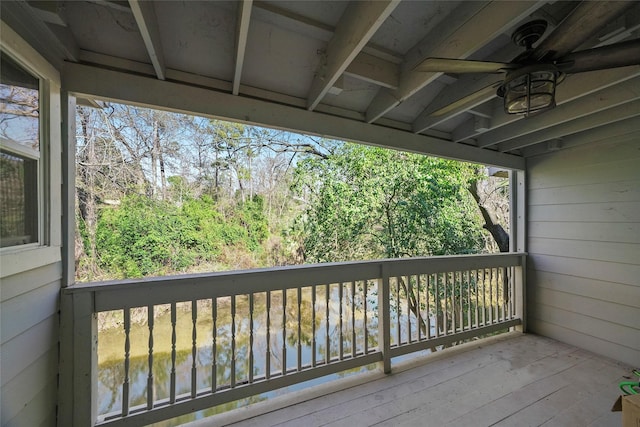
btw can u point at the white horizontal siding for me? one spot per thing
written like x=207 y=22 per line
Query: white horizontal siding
x=27 y=310
x=600 y=270
x=584 y=247
x=588 y=212
x=38 y=410
x=602 y=192
x=624 y=253
x=20 y=352
x=43 y=371
x=30 y=280
x=622 y=232
x=610 y=312
x=29 y=347
x=591 y=288
x=622 y=353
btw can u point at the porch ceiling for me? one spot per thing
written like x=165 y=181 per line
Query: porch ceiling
x=342 y=69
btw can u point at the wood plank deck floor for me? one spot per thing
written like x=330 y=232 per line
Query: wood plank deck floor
x=511 y=380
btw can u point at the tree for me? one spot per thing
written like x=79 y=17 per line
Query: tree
x=490 y=193
x=367 y=203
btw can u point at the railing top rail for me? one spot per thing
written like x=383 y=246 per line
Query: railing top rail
x=159 y=290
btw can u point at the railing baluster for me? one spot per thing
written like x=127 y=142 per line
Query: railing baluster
x=268 y=358
x=127 y=350
x=365 y=288
x=172 y=391
x=398 y=312
x=484 y=296
x=511 y=284
x=409 y=310
x=445 y=312
x=214 y=333
x=500 y=293
x=438 y=306
x=299 y=302
x=327 y=294
x=500 y=290
x=477 y=275
x=419 y=320
x=492 y=314
x=428 y=303
x=452 y=279
x=194 y=348
x=353 y=319
x=341 y=345
x=468 y=280
x=233 y=341
x=284 y=332
x=251 y=356
x=505 y=293
x=150 y=321
x=214 y=343
x=313 y=326
x=461 y=300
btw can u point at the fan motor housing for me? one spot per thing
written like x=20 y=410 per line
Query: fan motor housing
x=526 y=35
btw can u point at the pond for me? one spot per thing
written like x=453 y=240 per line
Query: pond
x=292 y=343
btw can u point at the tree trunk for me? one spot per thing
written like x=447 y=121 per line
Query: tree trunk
x=87 y=192
x=498 y=233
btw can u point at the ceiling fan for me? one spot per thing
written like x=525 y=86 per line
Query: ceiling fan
x=531 y=78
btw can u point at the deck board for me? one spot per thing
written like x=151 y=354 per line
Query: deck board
x=523 y=380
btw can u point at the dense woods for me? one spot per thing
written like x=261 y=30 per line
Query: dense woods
x=162 y=193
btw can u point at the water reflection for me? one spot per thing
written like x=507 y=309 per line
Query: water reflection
x=241 y=339
x=298 y=326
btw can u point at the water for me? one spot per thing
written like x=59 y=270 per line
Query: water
x=111 y=373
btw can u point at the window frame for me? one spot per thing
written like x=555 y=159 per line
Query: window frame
x=19 y=258
x=31 y=154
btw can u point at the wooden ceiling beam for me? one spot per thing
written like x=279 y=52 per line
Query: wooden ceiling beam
x=55 y=40
x=592 y=121
x=583 y=22
x=595 y=101
x=111 y=85
x=145 y=16
x=470 y=27
x=357 y=25
x=607 y=132
x=242 y=32
x=374 y=70
x=472 y=90
x=456 y=99
x=574 y=87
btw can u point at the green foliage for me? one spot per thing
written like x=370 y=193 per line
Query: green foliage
x=368 y=202
x=144 y=237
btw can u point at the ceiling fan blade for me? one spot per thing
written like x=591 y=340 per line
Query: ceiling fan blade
x=580 y=25
x=611 y=56
x=460 y=66
x=469 y=100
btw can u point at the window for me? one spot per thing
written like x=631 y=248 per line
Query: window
x=19 y=154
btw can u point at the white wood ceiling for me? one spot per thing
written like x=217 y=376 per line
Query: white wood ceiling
x=332 y=65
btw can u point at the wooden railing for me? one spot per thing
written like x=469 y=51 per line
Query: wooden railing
x=271 y=328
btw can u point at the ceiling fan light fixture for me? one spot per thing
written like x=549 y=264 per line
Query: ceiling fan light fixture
x=530 y=89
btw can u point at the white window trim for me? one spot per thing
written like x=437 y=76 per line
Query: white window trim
x=16 y=259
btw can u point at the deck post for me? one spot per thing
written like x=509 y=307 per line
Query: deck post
x=85 y=360
x=66 y=367
x=518 y=242
x=521 y=294
x=384 y=327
